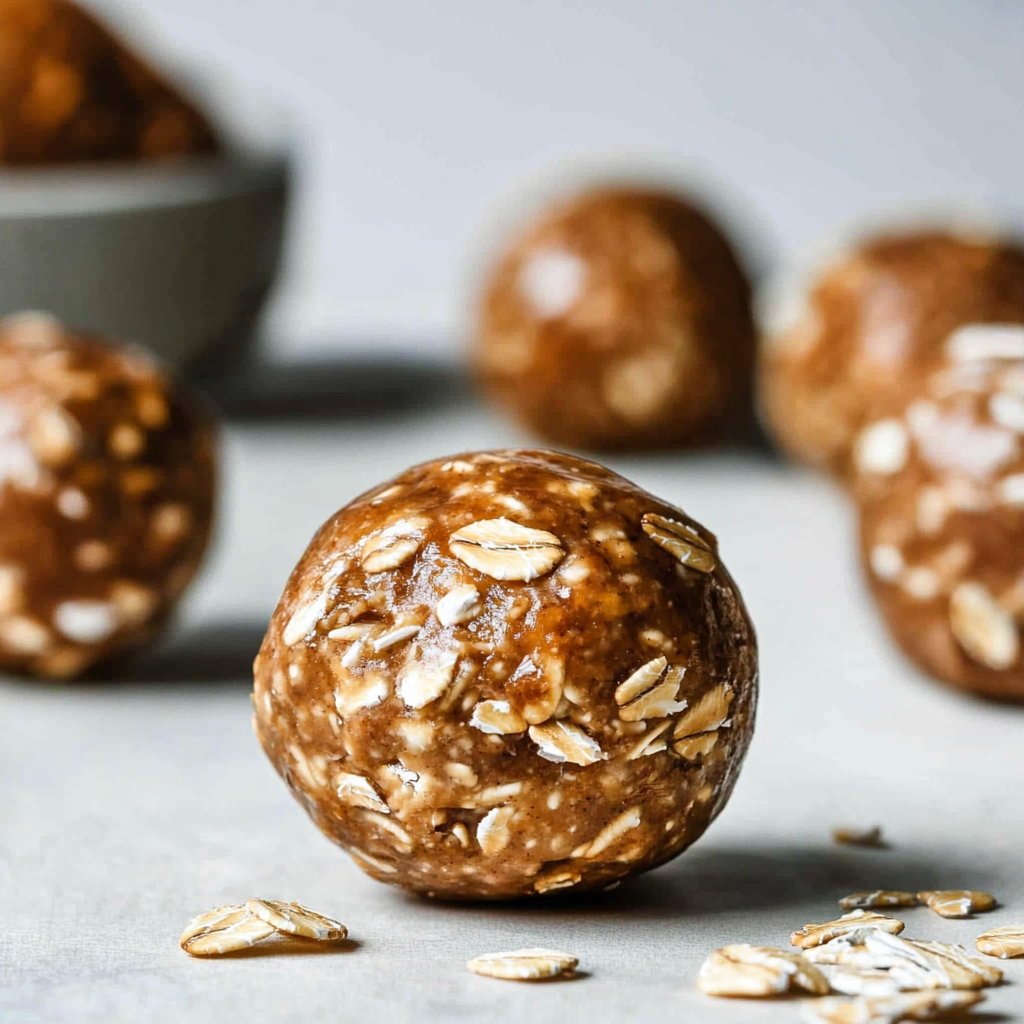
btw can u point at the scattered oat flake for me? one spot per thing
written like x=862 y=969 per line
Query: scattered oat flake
x=295 y=919
x=1004 y=942
x=879 y=898
x=524 y=964
x=915 y=964
x=745 y=970
x=889 y=1009
x=871 y=837
x=506 y=550
x=680 y=540
x=872 y=982
x=817 y=934
x=957 y=902
x=223 y=930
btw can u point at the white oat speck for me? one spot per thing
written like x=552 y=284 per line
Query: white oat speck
x=552 y=281
x=86 y=622
x=882 y=447
x=986 y=341
x=886 y=561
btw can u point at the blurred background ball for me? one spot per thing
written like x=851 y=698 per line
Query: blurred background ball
x=71 y=91
x=942 y=514
x=108 y=474
x=621 y=318
x=870 y=325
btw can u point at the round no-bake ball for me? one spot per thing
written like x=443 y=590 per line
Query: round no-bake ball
x=106 y=497
x=508 y=673
x=622 y=319
x=871 y=324
x=941 y=485
x=70 y=91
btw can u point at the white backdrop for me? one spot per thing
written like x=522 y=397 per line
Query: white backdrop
x=415 y=117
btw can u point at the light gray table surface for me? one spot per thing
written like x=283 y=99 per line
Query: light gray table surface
x=128 y=807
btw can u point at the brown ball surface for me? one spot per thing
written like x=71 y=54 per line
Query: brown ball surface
x=107 y=472
x=508 y=673
x=942 y=516
x=872 y=324
x=621 y=319
x=70 y=91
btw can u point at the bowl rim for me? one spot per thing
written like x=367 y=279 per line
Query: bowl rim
x=110 y=188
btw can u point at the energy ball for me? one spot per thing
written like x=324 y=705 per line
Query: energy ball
x=107 y=474
x=508 y=673
x=871 y=325
x=941 y=485
x=70 y=91
x=621 y=319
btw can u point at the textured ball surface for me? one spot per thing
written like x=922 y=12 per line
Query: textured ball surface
x=621 y=319
x=508 y=673
x=70 y=91
x=106 y=497
x=872 y=323
x=942 y=516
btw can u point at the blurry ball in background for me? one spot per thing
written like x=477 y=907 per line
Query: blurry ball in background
x=106 y=497
x=942 y=514
x=870 y=326
x=70 y=91
x=620 y=319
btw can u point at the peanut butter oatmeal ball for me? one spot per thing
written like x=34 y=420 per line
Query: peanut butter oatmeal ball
x=621 y=319
x=508 y=673
x=106 y=497
x=871 y=324
x=942 y=514
x=70 y=91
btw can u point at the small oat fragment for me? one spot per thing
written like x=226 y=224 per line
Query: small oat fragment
x=492 y=833
x=711 y=712
x=817 y=934
x=461 y=604
x=645 y=694
x=506 y=550
x=497 y=717
x=610 y=834
x=223 y=930
x=1004 y=942
x=295 y=919
x=680 y=540
x=359 y=792
x=982 y=627
x=394 y=545
x=870 y=837
x=742 y=970
x=524 y=964
x=691 y=748
x=563 y=741
x=879 y=898
x=889 y=1009
x=957 y=902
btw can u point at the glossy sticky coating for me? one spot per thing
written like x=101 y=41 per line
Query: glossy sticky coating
x=485 y=679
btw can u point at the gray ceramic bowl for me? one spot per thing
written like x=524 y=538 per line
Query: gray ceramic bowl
x=179 y=258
